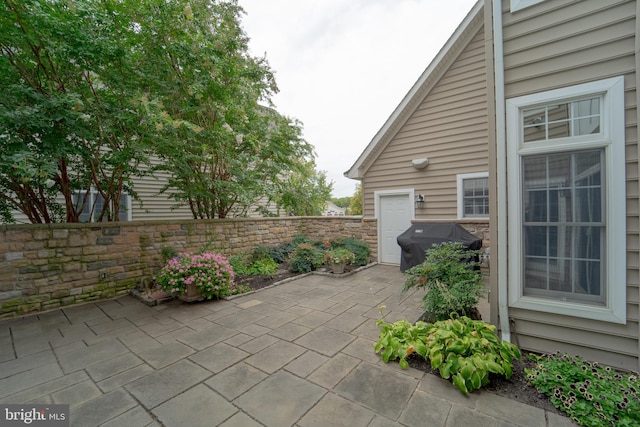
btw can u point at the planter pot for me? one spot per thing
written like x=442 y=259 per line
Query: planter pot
x=337 y=268
x=192 y=294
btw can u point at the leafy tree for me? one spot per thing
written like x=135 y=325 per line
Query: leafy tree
x=68 y=123
x=304 y=192
x=341 y=202
x=355 y=206
x=217 y=133
x=93 y=88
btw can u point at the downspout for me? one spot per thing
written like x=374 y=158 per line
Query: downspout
x=501 y=148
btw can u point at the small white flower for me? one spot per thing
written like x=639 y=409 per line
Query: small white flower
x=227 y=127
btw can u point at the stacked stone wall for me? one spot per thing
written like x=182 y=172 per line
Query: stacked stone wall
x=47 y=266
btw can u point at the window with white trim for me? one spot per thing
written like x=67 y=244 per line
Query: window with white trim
x=473 y=195
x=566 y=201
x=94 y=203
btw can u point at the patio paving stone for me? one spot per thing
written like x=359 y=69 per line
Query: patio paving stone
x=218 y=357
x=325 y=340
x=275 y=356
x=280 y=400
x=77 y=393
x=306 y=364
x=236 y=380
x=207 y=337
x=332 y=372
x=28 y=379
x=101 y=409
x=99 y=352
x=124 y=377
x=381 y=390
x=335 y=411
x=197 y=407
x=426 y=409
x=168 y=354
x=159 y=386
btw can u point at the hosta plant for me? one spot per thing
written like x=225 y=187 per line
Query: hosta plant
x=399 y=340
x=592 y=395
x=467 y=350
x=211 y=273
x=460 y=349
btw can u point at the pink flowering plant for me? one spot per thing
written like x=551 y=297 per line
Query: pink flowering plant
x=210 y=272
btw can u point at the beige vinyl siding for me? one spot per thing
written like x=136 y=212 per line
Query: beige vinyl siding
x=449 y=127
x=152 y=205
x=560 y=43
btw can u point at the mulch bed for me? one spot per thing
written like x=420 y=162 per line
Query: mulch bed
x=516 y=388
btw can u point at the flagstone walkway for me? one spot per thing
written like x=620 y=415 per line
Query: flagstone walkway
x=300 y=353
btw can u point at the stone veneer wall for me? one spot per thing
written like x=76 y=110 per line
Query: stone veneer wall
x=47 y=266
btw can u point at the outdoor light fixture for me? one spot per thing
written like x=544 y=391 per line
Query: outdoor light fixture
x=420 y=201
x=420 y=163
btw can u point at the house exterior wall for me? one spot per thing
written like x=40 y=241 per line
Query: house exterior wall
x=449 y=127
x=555 y=44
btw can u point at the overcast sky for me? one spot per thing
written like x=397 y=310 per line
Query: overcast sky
x=343 y=66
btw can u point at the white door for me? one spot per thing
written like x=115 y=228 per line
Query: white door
x=394 y=218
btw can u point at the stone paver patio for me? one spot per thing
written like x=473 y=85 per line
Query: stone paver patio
x=300 y=353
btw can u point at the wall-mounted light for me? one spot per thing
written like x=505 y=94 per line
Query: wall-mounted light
x=420 y=163
x=420 y=201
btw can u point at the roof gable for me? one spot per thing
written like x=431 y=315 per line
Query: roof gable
x=427 y=80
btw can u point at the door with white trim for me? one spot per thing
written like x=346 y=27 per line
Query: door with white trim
x=394 y=217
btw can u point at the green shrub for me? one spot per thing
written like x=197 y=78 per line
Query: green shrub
x=360 y=249
x=280 y=253
x=261 y=252
x=305 y=258
x=452 y=286
x=592 y=395
x=240 y=263
x=167 y=253
x=264 y=267
x=463 y=349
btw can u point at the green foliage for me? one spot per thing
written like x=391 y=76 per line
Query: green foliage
x=399 y=340
x=167 y=253
x=355 y=205
x=305 y=191
x=339 y=256
x=592 y=395
x=341 y=202
x=306 y=258
x=70 y=120
x=452 y=286
x=281 y=253
x=461 y=349
x=359 y=248
x=467 y=351
x=210 y=272
x=240 y=263
x=264 y=267
x=261 y=252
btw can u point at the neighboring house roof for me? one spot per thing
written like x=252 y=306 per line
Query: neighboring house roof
x=412 y=100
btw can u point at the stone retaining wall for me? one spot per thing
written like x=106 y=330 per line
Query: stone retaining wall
x=47 y=266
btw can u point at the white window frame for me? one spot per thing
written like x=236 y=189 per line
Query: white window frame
x=517 y=5
x=460 y=180
x=612 y=139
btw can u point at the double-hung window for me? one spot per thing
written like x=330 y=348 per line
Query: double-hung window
x=566 y=201
x=473 y=195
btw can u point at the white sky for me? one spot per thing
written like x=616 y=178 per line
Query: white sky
x=343 y=66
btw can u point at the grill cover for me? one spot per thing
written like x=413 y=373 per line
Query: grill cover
x=421 y=236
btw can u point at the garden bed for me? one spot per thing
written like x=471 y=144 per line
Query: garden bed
x=516 y=388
